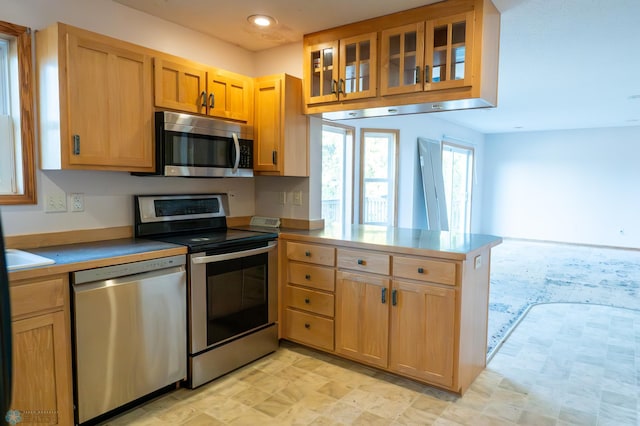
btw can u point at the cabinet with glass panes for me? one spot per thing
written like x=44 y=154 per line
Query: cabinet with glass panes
x=426 y=56
x=344 y=69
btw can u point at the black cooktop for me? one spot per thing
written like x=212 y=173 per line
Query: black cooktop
x=224 y=239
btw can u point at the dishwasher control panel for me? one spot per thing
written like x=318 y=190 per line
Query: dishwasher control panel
x=125 y=269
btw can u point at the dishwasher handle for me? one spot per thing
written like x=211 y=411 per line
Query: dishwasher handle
x=197 y=260
x=128 y=280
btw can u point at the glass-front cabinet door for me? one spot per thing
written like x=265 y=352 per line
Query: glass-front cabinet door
x=321 y=63
x=358 y=67
x=448 y=55
x=402 y=59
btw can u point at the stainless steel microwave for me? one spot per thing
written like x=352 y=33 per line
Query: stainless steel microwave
x=197 y=146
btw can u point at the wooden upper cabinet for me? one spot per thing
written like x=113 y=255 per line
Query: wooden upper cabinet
x=438 y=57
x=341 y=70
x=180 y=86
x=402 y=59
x=280 y=127
x=190 y=87
x=99 y=114
x=229 y=96
x=431 y=55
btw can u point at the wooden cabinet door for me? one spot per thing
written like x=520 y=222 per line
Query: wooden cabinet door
x=321 y=72
x=42 y=390
x=358 y=67
x=110 y=109
x=267 y=125
x=449 y=52
x=421 y=341
x=362 y=317
x=402 y=59
x=180 y=86
x=228 y=96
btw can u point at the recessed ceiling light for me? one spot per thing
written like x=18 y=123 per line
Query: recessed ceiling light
x=261 y=20
x=633 y=97
x=518 y=127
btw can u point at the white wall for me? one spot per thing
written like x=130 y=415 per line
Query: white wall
x=411 y=208
x=287 y=59
x=578 y=186
x=108 y=195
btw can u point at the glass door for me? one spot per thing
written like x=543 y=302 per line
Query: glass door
x=358 y=66
x=322 y=72
x=402 y=57
x=448 y=57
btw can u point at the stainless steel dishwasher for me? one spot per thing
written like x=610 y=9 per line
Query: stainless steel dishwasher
x=130 y=332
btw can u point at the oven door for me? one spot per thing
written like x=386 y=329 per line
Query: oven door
x=231 y=295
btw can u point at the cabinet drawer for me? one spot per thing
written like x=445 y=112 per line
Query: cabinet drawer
x=311 y=253
x=309 y=329
x=435 y=271
x=312 y=276
x=365 y=261
x=309 y=300
x=37 y=296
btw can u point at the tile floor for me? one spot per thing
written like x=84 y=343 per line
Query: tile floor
x=565 y=364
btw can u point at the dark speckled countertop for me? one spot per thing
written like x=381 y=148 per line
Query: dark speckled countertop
x=76 y=257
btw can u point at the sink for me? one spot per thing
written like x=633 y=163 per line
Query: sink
x=18 y=259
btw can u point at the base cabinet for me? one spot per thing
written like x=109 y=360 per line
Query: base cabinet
x=422 y=317
x=42 y=392
x=362 y=317
x=422 y=332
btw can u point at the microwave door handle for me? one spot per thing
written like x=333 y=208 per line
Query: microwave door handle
x=235 y=255
x=237 y=145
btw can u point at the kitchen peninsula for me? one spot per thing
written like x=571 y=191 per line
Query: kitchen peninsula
x=409 y=301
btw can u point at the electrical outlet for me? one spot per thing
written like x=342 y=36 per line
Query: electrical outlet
x=478 y=262
x=297 y=198
x=77 y=202
x=56 y=203
x=283 y=197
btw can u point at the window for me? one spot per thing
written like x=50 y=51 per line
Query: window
x=337 y=175
x=17 y=168
x=457 y=170
x=378 y=176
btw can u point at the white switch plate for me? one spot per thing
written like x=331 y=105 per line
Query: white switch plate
x=55 y=203
x=297 y=198
x=77 y=202
x=478 y=261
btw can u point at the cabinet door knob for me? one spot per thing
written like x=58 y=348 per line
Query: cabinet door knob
x=307 y=253
x=307 y=301
x=307 y=277
x=307 y=325
x=360 y=262
x=421 y=270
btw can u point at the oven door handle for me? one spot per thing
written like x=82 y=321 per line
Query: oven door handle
x=236 y=143
x=197 y=260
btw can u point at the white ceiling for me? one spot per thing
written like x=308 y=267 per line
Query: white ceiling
x=564 y=64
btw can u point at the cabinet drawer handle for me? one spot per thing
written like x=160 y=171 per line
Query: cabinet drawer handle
x=307 y=253
x=307 y=325
x=421 y=270
x=212 y=100
x=307 y=277
x=204 y=99
x=334 y=85
x=417 y=76
x=360 y=262
x=426 y=73
x=384 y=295
x=341 y=86
x=307 y=301
x=394 y=297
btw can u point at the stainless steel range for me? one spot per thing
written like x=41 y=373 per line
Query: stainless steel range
x=232 y=281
